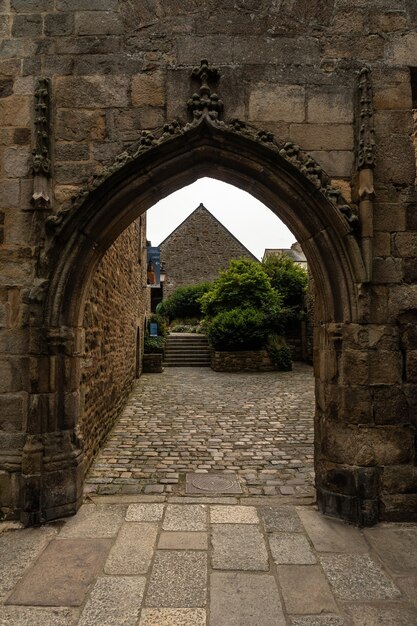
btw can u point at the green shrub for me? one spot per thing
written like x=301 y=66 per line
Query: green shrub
x=238 y=329
x=279 y=353
x=184 y=302
x=243 y=284
x=287 y=278
x=153 y=344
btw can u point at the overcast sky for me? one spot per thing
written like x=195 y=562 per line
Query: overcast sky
x=248 y=219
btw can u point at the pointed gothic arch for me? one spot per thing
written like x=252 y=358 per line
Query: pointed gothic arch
x=283 y=177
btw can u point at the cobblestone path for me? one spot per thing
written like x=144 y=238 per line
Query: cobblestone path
x=258 y=426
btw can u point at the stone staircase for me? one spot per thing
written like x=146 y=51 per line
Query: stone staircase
x=186 y=350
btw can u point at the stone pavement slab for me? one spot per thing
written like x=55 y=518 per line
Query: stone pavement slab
x=191 y=517
x=145 y=512
x=244 y=599
x=36 y=616
x=94 y=520
x=173 y=617
x=331 y=535
x=291 y=549
x=114 y=600
x=397 y=547
x=178 y=579
x=133 y=551
x=183 y=541
x=318 y=620
x=280 y=518
x=233 y=515
x=357 y=577
x=229 y=574
x=62 y=573
x=238 y=546
x=305 y=590
x=18 y=549
x=381 y=616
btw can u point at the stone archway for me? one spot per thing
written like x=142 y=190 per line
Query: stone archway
x=295 y=188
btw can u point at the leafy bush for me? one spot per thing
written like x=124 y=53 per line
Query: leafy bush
x=288 y=278
x=238 y=329
x=243 y=284
x=184 y=302
x=153 y=344
x=279 y=353
x=186 y=328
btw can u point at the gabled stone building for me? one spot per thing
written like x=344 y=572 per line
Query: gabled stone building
x=197 y=250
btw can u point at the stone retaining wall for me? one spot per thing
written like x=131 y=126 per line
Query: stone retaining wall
x=247 y=361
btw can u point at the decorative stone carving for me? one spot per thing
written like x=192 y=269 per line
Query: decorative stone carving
x=41 y=163
x=366 y=147
x=206 y=102
x=206 y=108
x=366 y=158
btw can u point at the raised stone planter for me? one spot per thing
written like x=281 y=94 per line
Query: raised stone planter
x=248 y=361
x=152 y=363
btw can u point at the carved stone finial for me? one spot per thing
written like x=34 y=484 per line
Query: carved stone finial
x=366 y=148
x=205 y=102
x=41 y=163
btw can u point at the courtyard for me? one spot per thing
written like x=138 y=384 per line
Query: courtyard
x=257 y=427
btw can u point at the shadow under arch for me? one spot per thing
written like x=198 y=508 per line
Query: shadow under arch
x=284 y=178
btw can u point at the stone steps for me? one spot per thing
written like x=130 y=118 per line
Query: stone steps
x=187 y=350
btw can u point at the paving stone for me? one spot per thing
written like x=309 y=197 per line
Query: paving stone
x=178 y=579
x=94 y=520
x=34 y=616
x=201 y=437
x=238 y=546
x=201 y=500
x=132 y=553
x=187 y=517
x=305 y=590
x=239 y=599
x=381 y=616
x=330 y=535
x=145 y=512
x=280 y=519
x=318 y=620
x=357 y=577
x=183 y=541
x=397 y=547
x=62 y=574
x=18 y=549
x=291 y=549
x=233 y=515
x=114 y=600
x=408 y=585
x=173 y=617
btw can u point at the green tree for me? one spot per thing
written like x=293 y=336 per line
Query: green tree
x=244 y=284
x=287 y=278
x=184 y=303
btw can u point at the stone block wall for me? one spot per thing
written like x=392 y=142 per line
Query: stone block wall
x=118 y=67
x=114 y=320
x=197 y=250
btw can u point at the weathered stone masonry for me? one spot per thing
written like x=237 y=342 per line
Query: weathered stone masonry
x=118 y=67
x=114 y=315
